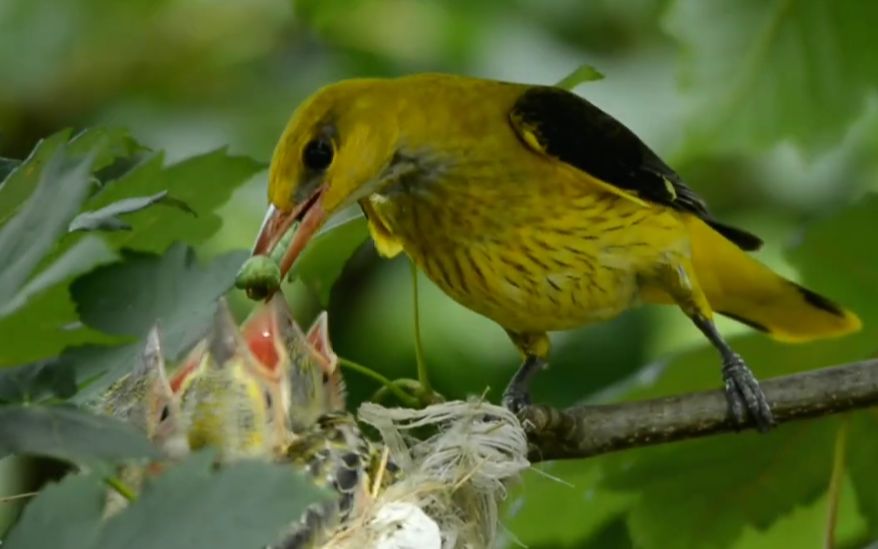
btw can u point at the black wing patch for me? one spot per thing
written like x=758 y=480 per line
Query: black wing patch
x=575 y=131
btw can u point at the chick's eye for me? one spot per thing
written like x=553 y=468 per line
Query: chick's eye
x=317 y=154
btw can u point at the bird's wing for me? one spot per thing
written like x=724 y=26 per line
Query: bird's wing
x=563 y=125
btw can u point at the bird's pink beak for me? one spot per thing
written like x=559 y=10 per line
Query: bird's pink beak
x=311 y=217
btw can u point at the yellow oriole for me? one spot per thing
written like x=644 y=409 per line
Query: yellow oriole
x=533 y=207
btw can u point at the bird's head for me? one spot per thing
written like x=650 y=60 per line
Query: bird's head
x=331 y=154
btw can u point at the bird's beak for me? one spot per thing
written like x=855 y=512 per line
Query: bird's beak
x=309 y=214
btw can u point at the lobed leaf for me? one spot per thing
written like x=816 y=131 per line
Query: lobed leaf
x=42 y=320
x=247 y=504
x=33 y=231
x=68 y=433
x=64 y=515
x=704 y=492
x=32 y=382
x=78 y=259
x=171 y=289
x=203 y=183
x=22 y=180
x=107 y=218
x=19 y=179
x=44 y=327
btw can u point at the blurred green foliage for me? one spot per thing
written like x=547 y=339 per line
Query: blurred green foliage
x=767 y=108
x=186 y=501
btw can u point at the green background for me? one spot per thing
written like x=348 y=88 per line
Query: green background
x=767 y=108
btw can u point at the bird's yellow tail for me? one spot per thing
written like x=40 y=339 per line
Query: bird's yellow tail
x=740 y=287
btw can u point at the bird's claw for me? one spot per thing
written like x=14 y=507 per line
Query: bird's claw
x=516 y=400
x=744 y=395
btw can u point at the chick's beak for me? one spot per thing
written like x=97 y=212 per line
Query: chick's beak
x=309 y=214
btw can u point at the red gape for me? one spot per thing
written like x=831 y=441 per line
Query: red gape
x=318 y=338
x=259 y=333
x=188 y=368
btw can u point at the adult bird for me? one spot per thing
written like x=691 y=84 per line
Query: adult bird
x=533 y=207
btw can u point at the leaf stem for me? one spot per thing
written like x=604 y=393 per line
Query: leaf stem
x=23 y=495
x=121 y=488
x=383 y=380
x=423 y=378
x=835 y=482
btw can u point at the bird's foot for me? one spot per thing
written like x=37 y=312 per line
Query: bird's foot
x=744 y=395
x=516 y=399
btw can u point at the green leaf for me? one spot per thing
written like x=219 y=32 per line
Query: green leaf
x=48 y=322
x=32 y=382
x=763 y=71
x=246 y=504
x=702 y=493
x=68 y=433
x=129 y=297
x=37 y=318
x=862 y=457
x=32 y=232
x=44 y=327
x=22 y=181
x=64 y=515
x=834 y=260
x=853 y=280
x=583 y=74
x=203 y=182
x=111 y=145
x=731 y=481
x=94 y=367
x=107 y=218
x=805 y=526
x=325 y=256
x=534 y=504
x=831 y=256
x=6 y=167
x=107 y=146
x=80 y=258
x=614 y=533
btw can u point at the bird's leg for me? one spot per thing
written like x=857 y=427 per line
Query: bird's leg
x=517 y=394
x=535 y=348
x=742 y=390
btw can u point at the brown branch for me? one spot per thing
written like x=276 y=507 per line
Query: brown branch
x=588 y=430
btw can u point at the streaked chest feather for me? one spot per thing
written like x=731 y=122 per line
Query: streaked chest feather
x=531 y=256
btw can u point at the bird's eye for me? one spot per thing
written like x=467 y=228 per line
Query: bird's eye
x=317 y=154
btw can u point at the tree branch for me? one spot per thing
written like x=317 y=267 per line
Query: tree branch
x=584 y=430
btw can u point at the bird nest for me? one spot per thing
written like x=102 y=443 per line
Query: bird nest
x=431 y=478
